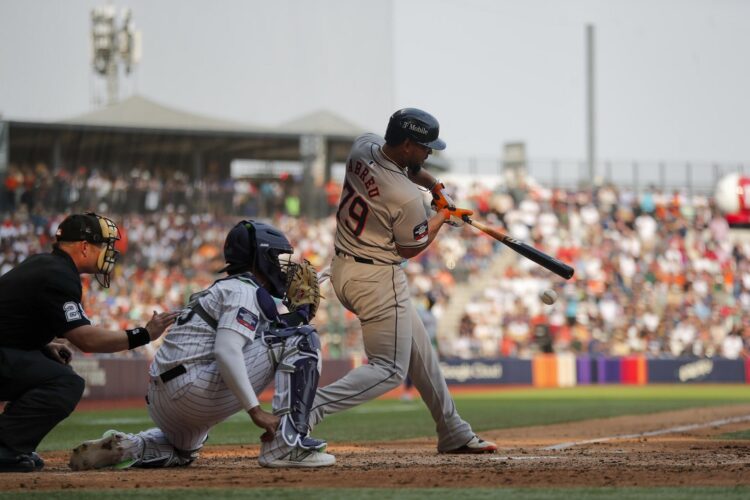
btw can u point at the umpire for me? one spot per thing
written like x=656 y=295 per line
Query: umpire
x=40 y=300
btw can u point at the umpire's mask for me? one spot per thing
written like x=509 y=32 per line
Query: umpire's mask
x=97 y=230
x=108 y=255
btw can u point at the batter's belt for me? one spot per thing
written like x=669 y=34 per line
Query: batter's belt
x=361 y=260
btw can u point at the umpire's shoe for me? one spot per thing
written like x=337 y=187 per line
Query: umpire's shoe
x=11 y=461
x=475 y=446
x=38 y=462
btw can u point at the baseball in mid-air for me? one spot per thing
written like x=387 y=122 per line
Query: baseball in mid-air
x=548 y=296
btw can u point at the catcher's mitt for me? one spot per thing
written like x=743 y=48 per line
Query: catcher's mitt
x=302 y=288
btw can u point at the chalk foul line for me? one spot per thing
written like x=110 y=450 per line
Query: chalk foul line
x=670 y=430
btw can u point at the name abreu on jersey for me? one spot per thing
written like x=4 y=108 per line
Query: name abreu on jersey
x=365 y=175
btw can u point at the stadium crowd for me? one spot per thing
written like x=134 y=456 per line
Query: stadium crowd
x=656 y=273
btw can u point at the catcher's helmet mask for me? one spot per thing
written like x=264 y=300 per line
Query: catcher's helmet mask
x=256 y=246
x=97 y=230
x=415 y=124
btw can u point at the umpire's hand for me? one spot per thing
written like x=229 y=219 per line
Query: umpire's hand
x=159 y=322
x=58 y=352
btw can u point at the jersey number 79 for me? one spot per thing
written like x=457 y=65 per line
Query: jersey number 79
x=353 y=216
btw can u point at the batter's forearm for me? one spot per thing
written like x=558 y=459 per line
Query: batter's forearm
x=423 y=178
x=433 y=227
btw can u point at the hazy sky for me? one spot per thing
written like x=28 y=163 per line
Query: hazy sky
x=672 y=76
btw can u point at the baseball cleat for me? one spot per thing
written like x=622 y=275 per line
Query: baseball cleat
x=477 y=445
x=12 y=461
x=311 y=443
x=299 y=457
x=38 y=462
x=108 y=451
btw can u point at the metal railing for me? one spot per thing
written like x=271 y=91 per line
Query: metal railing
x=691 y=176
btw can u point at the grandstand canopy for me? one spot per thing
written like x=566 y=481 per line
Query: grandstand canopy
x=140 y=112
x=141 y=130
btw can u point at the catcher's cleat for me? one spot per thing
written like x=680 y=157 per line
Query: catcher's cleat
x=477 y=445
x=108 y=451
x=311 y=443
x=299 y=457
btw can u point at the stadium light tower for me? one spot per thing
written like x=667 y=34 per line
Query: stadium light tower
x=590 y=102
x=112 y=46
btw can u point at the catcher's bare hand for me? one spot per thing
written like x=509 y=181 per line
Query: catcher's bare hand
x=58 y=352
x=159 y=322
x=265 y=420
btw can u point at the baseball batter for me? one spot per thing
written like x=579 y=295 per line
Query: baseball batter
x=229 y=343
x=381 y=221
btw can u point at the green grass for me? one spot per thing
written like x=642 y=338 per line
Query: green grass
x=405 y=494
x=736 y=435
x=393 y=419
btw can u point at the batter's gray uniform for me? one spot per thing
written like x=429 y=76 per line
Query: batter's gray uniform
x=187 y=396
x=379 y=208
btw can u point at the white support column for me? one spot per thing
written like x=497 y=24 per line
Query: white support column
x=4 y=146
x=314 y=156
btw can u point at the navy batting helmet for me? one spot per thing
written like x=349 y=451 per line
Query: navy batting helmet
x=415 y=124
x=256 y=245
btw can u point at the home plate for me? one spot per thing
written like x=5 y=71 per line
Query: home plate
x=527 y=457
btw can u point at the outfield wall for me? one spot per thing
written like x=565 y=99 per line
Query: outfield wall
x=117 y=378
x=564 y=370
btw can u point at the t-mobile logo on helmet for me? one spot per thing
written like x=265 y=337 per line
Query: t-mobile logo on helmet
x=415 y=128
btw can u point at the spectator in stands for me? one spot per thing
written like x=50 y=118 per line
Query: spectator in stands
x=628 y=248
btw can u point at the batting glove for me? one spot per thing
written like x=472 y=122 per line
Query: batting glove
x=439 y=198
x=455 y=216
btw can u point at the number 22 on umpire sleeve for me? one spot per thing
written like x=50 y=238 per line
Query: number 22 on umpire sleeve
x=355 y=215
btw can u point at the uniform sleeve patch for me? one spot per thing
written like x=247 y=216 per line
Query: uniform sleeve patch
x=247 y=319
x=72 y=311
x=420 y=231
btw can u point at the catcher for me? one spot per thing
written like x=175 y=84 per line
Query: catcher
x=225 y=347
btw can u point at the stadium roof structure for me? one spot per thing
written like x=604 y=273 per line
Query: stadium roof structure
x=322 y=123
x=140 y=112
x=139 y=129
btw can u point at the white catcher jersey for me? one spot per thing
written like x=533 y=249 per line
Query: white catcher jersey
x=231 y=302
x=379 y=206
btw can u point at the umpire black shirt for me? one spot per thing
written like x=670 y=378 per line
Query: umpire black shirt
x=40 y=299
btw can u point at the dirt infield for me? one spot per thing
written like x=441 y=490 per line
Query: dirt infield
x=678 y=457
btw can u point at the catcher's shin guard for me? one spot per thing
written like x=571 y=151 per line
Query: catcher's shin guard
x=297 y=381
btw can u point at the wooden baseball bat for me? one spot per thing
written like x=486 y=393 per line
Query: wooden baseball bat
x=546 y=261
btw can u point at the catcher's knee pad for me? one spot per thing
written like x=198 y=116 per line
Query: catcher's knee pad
x=308 y=340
